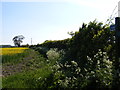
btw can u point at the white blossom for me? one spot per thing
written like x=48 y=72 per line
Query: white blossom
x=74 y=63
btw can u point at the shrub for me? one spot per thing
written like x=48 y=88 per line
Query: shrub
x=70 y=75
x=52 y=54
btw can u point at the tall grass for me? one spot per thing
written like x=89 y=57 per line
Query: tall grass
x=27 y=79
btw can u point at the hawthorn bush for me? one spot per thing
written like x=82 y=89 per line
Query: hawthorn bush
x=88 y=58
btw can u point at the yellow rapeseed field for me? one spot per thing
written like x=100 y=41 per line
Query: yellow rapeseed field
x=11 y=51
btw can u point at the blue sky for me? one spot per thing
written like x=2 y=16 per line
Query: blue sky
x=49 y=20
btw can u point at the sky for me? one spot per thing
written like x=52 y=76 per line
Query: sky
x=49 y=19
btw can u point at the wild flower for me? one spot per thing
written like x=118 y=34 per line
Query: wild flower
x=52 y=54
x=92 y=72
x=88 y=58
x=78 y=70
x=98 y=62
x=39 y=78
x=47 y=60
x=74 y=78
x=74 y=63
x=68 y=66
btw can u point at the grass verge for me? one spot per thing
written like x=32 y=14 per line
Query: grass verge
x=35 y=75
x=27 y=79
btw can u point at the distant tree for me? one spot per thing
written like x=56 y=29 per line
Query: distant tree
x=18 y=40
